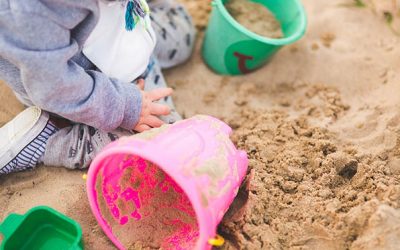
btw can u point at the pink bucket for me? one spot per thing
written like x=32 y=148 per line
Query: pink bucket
x=180 y=178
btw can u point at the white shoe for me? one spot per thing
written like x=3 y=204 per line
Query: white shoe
x=23 y=140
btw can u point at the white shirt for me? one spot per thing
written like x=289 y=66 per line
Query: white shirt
x=115 y=51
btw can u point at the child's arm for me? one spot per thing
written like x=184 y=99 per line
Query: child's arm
x=41 y=38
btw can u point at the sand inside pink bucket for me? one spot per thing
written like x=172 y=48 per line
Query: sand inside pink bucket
x=144 y=207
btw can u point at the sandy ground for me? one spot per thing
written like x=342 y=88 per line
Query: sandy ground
x=321 y=124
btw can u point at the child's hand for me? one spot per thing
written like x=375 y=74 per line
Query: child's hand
x=150 y=110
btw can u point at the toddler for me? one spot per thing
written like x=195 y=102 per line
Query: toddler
x=89 y=71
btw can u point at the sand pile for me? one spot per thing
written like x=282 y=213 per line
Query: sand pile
x=309 y=190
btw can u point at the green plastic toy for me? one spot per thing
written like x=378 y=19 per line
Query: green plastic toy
x=231 y=49
x=41 y=228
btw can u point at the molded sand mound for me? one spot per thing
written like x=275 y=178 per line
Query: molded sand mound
x=311 y=191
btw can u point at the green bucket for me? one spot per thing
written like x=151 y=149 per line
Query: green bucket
x=231 y=49
x=41 y=228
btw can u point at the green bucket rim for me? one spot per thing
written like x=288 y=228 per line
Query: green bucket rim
x=274 y=41
x=18 y=219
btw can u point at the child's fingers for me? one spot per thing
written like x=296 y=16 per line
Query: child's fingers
x=158 y=94
x=140 y=84
x=159 y=109
x=153 y=121
x=142 y=127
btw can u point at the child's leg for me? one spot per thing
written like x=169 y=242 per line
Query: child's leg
x=76 y=146
x=175 y=32
x=154 y=79
x=31 y=138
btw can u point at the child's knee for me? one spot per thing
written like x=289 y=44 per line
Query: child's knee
x=175 y=33
x=185 y=35
x=76 y=146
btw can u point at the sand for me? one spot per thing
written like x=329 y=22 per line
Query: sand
x=321 y=124
x=200 y=12
x=255 y=17
x=159 y=215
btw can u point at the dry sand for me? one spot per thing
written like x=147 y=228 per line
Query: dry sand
x=321 y=124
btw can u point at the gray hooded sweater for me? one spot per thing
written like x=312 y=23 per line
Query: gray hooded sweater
x=41 y=60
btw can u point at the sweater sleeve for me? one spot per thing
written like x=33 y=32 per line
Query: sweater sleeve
x=42 y=48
